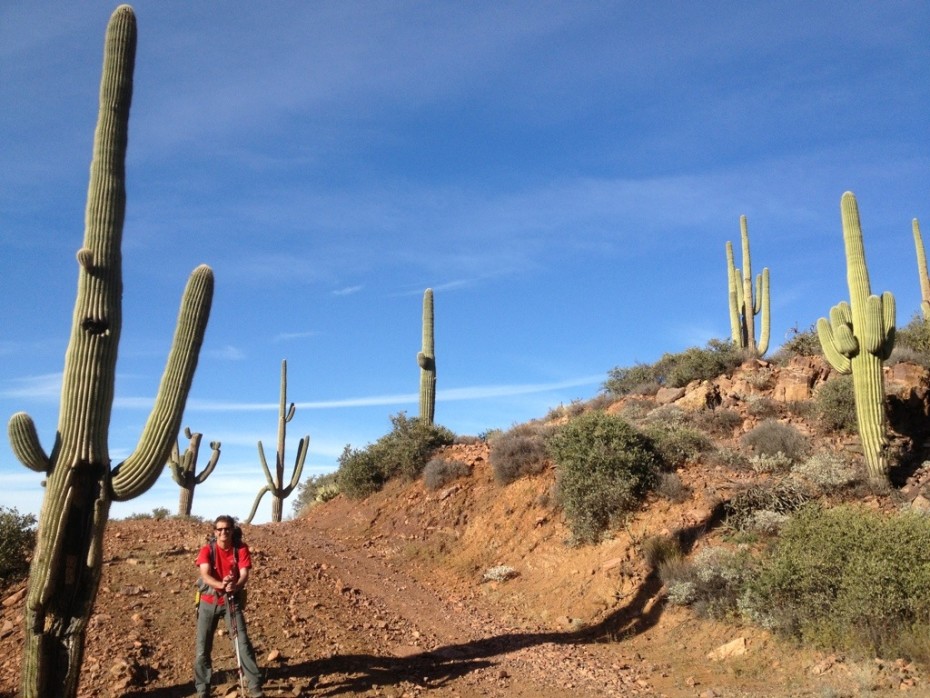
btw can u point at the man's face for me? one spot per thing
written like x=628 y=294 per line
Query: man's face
x=223 y=533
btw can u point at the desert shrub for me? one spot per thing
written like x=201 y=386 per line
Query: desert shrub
x=731 y=458
x=518 y=452
x=440 y=471
x=915 y=336
x=770 y=463
x=760 y=378
x=563 y=411
x=901 y=355
x=17 y=540
x=695 y=364
x=829 y=471
x=402 y=452
x=639 y=379
x=761 y=407
x=786 y=496
x=313 y=491
x=835 y=405
x=359 y=473
x=405 y=449
x=605 y=466
x=847 y=578
x=676 y=444
x=158 y=513
x=773 y=437
x=721 y=421
x=666 y=414
x=675 y=370
x=800 y=343
x=712 y=583
x=672 y=488
x=659 y=550
x=636 y=409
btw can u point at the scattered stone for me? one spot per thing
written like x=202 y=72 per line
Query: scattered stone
x=734 y=648
x=14 y=598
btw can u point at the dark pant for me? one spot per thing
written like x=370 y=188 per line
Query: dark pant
x=208 y=616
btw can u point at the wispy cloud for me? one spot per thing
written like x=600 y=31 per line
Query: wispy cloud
x=42 y=388
x=288 y=336
x=227 y=353
x=348 y=290
x=451 y=394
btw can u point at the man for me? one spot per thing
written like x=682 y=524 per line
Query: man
x=224 y=565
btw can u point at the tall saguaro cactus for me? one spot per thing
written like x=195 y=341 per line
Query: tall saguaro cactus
x=744 y=306
x=183 y=468
x=922 y=270
x=858 y=338
x=275 y=484
x=80 y=486
x=426 y=359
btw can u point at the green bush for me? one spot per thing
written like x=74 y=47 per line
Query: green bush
x=403 y=452
x=800 y=343
x=677 y=444
x=440 y=471
x=640 y=379
x=518 y=452
x=675 y=370
x=604 y=468
x=847 y=578
x=712 y=583
x=315 y=490
x=756 y=503
x=17 y=540
x=695 y=364
x=771 y=438
x=915 y=335
x=829 y=471
x=359 y=473
x=835 y=405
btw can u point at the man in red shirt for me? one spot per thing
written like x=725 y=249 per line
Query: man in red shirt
x=224 y=566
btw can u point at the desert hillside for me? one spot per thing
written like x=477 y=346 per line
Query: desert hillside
x=475 y=589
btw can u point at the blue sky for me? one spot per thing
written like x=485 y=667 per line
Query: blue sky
x=564 y=175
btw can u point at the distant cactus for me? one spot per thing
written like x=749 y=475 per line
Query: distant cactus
x=275 y=484
x=744 y=306
x=427 y=362
x=80 y=485
x=184 y=468
x=922 y=270
x=858 y=338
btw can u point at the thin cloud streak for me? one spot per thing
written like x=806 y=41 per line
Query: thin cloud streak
x=449 y=395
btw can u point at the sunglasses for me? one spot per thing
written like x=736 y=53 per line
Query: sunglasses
x=222 y=530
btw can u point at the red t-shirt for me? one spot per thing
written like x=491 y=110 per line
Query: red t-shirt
x=223 y=564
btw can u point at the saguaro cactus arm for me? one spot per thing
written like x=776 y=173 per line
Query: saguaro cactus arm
x=922 y=269
x=25 y=443
x=139 y=472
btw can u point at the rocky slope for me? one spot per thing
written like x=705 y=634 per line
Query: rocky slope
x=472 y=590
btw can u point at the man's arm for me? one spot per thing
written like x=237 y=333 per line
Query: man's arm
x=243 y=578
x=209 y=579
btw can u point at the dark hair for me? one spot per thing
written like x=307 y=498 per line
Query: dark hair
x=230 y=521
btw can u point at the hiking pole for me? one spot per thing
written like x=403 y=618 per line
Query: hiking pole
x=234 y=634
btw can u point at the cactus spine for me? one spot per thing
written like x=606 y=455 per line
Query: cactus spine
x=922 y=271
x=275 y=484
x=427 y=362
x=184 y=468
x=80 y=486
x=858 y=338
x=744 y=306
